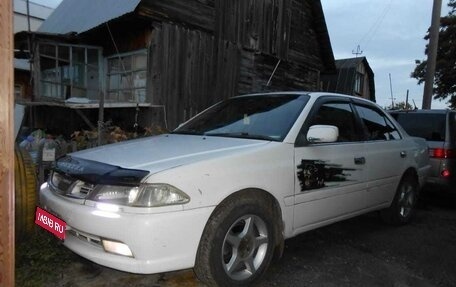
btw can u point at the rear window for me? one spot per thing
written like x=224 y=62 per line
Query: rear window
x=428 y=126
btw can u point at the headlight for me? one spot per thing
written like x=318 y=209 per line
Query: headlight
x=146 y=195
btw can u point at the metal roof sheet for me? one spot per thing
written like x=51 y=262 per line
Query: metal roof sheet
x=82 y=15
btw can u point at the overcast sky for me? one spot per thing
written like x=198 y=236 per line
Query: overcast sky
x=48 y=3
x=390 y=34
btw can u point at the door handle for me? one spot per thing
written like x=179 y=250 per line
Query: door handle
x=360 y=160
x=403 y=154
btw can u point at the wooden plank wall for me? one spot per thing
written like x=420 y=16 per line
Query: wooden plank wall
x=206 y=50
x=260 y=25
x=304 y=45
x=190 y=70
x=6 y=146
x=197 y=14
x=282 y=28
x=256 y=70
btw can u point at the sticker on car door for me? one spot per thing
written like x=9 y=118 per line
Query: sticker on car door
x=315 y=174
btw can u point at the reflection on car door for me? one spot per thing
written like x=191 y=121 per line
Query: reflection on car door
x=329 y=181
x=385 y=155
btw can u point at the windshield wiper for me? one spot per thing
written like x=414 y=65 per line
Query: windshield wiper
x=187 y=133
x=242 y=135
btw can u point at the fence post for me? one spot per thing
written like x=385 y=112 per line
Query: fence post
x=6 y=146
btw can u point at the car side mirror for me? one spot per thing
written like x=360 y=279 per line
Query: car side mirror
x=322 y=134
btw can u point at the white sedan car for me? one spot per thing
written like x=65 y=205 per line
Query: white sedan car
x=222 y=192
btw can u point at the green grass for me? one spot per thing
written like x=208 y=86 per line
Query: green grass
x=40 y=259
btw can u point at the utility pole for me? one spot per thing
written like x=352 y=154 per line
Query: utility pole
x=406 y=100
x=432 y=55
x=391 y=92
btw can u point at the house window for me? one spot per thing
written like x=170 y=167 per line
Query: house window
x=359 y=80
x=69 y=71
x=127 y=77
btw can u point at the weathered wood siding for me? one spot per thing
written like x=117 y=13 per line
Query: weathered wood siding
x=197 y=14
x=260 y=25
x=190 y=70
x=204 y=51
x=282 y=28
x=256 y=70
x=304 y=44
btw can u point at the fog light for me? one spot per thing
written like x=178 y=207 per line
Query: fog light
x=445 y=173
x=117 y=248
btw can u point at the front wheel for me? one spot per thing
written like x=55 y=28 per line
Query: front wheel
x=237 y=243
x=403 y=206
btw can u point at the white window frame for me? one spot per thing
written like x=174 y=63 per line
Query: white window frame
x=130 y=79
x=57 y=88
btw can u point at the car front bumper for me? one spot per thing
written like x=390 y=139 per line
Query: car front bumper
x=159 y=242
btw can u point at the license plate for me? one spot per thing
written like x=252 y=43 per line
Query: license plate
x=50 y=222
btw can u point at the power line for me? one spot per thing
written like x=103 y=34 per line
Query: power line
x=369 y=35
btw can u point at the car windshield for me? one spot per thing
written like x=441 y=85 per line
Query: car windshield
x=266 y=117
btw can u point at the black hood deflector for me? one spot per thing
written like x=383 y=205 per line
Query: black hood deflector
x=97 y=172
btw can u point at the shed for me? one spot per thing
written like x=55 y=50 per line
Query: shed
x=174 y=58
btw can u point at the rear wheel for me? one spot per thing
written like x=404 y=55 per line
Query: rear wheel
x=238 y=243
x=403 y=206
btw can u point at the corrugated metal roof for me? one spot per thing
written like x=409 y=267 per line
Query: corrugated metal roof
x=82 y=15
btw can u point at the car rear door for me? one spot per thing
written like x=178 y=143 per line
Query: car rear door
x=329 y=177
x=386 y=154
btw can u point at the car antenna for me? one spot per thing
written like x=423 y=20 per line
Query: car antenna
x=414 y=104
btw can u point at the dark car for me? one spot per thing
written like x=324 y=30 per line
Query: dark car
x=438 y=127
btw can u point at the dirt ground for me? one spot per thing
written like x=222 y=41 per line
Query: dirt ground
x=359 y=252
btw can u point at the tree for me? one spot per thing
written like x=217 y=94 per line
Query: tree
x=445 y=76
x=400 y=106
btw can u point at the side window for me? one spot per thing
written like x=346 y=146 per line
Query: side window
x=377 y=125
x=339 y=115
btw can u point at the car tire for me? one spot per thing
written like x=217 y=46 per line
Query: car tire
x=238 y=242
x=403 y=206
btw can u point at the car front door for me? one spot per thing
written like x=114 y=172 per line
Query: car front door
x=329 y=177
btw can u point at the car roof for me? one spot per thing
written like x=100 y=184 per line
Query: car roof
x=436 y=111
x=311 y=94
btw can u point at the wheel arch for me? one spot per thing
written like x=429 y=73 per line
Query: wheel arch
x=401 y=208
x=262 y=194
x=412 y=173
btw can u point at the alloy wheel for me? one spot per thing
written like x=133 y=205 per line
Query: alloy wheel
x=245 y=247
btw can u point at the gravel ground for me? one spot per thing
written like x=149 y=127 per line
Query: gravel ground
x=362 y=251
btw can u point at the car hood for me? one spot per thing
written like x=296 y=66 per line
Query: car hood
x=167 y=151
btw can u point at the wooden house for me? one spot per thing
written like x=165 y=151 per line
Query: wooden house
x=170 y=59
x=354 y=76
